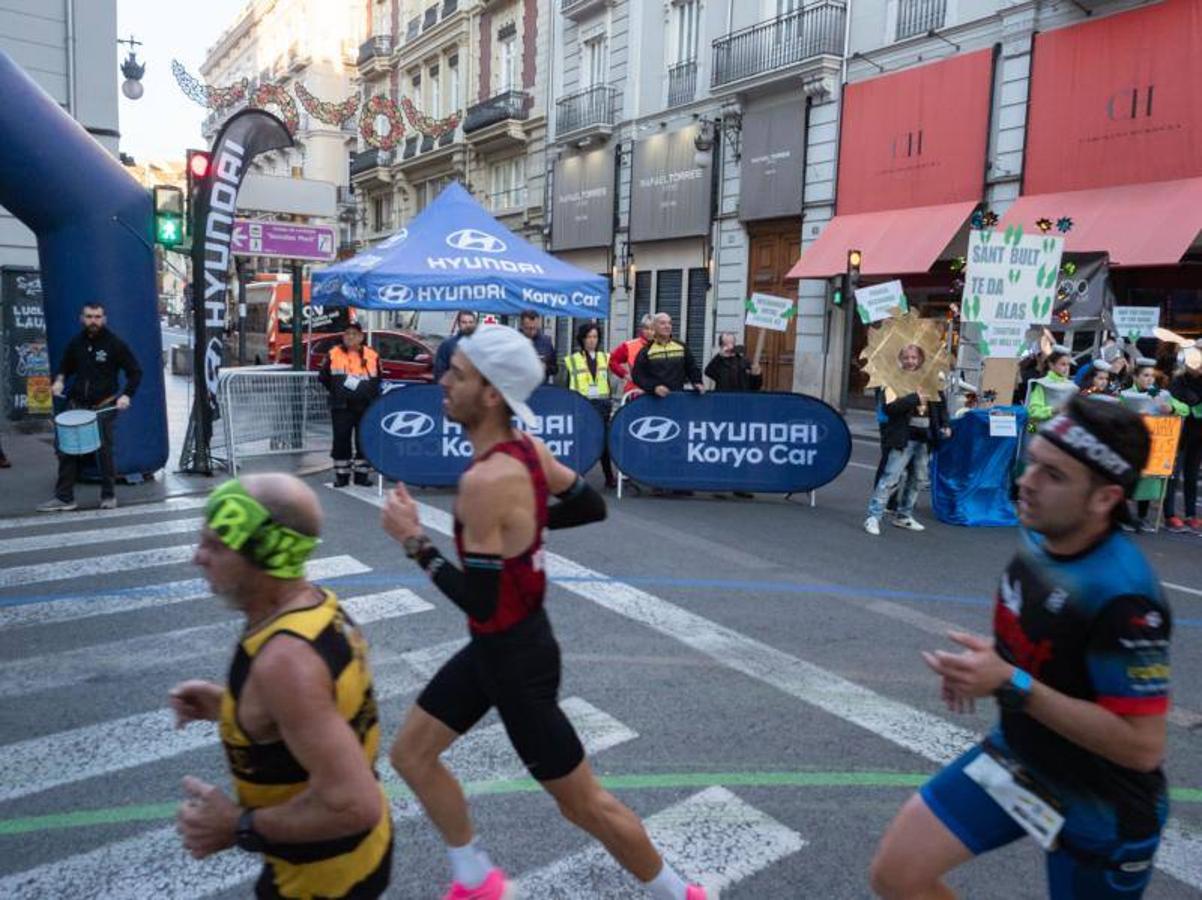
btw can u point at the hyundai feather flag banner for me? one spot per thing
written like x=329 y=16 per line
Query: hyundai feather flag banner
x=406 y=437
x=454 y=255
x=755 y=442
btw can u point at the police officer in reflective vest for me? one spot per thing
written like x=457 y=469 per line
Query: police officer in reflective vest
x=588 y=374
x=351 y=374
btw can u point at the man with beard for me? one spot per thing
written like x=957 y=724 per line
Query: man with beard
x=92 y=361
x=298 y=714
x=512 y=661
x=1079 y=666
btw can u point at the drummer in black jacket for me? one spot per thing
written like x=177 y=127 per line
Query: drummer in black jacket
x=91 y=363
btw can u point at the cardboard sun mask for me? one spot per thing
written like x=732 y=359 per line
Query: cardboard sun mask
x=885 y=343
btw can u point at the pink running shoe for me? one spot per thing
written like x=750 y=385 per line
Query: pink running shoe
x=696 y=892
x=495 y=887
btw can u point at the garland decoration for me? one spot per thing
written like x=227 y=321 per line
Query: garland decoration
x=216 y=99
x=323 y=110
x=429 y=127
x=377 y=106
x=274 y=95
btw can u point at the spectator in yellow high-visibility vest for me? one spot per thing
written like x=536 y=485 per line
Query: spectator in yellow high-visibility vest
x=588 y=375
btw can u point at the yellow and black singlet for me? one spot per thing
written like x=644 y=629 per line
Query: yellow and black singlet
x=267 y=774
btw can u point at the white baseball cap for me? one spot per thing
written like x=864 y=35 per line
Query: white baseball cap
x=507 y=360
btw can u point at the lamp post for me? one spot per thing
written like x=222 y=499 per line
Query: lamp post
x=132 y=70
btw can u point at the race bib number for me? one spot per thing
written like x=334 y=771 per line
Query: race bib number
x=1036 y=815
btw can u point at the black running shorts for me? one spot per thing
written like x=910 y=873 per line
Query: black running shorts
x=517 y=671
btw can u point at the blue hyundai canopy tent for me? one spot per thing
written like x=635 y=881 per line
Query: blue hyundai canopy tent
x=454 y=255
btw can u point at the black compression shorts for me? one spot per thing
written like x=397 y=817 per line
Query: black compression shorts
x=517 y=671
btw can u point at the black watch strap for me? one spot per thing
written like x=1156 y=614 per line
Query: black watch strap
x=245 y=836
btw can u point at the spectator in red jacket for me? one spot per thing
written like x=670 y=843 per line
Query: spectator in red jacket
x=621 y=361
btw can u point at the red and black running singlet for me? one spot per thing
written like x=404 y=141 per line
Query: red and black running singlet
x=523 y=577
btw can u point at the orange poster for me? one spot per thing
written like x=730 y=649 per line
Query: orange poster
x=1165 y=432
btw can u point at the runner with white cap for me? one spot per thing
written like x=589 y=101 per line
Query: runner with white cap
x=512 y=661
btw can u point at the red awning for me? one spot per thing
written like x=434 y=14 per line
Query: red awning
x=893 y=241
x=1149 y=224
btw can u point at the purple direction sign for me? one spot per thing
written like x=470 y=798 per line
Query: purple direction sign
x=312 y=242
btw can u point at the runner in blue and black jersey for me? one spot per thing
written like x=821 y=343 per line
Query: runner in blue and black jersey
x=1079 y=665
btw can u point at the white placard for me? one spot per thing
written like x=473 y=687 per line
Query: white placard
x=1003 y=424
x=877 y=301
x=1009 y=283
x=767 y=311
x=1136 y=321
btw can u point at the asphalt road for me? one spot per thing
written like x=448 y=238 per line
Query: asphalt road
x=746 y=675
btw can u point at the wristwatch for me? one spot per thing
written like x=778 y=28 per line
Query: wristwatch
x=245 y=836
x=1013 y=695
x=413 y=546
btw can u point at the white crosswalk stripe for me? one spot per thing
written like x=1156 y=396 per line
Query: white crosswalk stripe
x=713 y=837
x=153 y=865
x=65 y=757
x=70 y=569
x=83 y=606
x=107 y=535
x=87 y=516
x=127 y=657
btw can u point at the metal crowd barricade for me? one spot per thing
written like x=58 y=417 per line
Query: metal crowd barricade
x=268 y=411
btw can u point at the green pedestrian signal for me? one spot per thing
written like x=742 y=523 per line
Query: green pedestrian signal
x=168 y=215
x=837 y=296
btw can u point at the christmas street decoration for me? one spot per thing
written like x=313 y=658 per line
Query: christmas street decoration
x=216 y=99
x=886 y=341
x=429 y=127
x=274 y=95
x=325 y=111
x=375 y=108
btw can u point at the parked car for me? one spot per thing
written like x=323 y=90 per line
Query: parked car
x=404 y=355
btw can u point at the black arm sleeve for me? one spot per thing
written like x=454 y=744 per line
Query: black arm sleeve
x=476 y=590
x=578 y=505
x=133 y=371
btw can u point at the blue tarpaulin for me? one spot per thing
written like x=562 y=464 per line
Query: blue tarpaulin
x=972 y=473
x=454 y=255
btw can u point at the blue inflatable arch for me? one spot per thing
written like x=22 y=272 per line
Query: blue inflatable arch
x=94 y=225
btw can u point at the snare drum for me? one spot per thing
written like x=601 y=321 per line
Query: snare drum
x=78 y=432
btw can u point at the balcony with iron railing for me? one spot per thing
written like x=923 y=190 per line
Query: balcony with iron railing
x=780 y=43
x=682 y=83
x=374 y=54
x=577 y=9
x=508 y=105
x=593 y=109
x=370 y=159
x=919 y=17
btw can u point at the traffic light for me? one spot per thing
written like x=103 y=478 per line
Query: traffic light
x=197 y=167
x=854 y=258
x=168 y=215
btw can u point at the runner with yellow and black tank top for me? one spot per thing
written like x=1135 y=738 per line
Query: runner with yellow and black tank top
x=512 y=660
x=298 y=716
x=588 y=375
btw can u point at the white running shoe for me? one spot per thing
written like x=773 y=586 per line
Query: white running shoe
x=909 y=523
x=872 y=525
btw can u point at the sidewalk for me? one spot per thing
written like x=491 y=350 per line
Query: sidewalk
x=31 y=479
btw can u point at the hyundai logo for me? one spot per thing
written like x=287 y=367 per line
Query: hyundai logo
x=395 y=294
x=395 y=240
x=407 y=423
x=654 y=429
x=475 y=240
